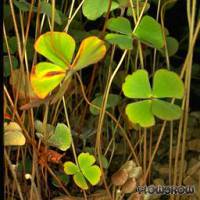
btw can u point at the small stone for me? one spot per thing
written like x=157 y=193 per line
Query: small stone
x=119 y=177
x=129 y=186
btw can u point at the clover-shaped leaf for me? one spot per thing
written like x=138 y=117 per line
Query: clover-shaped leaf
x=113 y=100
x=165 y=110
x=120 y=25
x=95 y=9
x=140 y=112
x=166 y=84
x=149 y=31
x=172 y=46
x=123 y=37
x=59 y=47
x=61 y=138
x=85 y=171
x=140 y=81
x=123 y=41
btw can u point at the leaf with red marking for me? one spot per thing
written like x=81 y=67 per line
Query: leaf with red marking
x=45 y=77
x=91 y=50
x=58 y=47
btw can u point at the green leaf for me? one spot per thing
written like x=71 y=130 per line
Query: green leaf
x=120 y=25
x=85 y=160
x=25 y=166
x=165 y=110
x=61 y=137
x=149 y=31
x=78 y=34
x=12 y=43
x=40 y=128
x=46 y=8
x=62 y=177
x=13 y=135
x=95 y=9
x=86 y=169
x=80 y=180
x=7 y=66
x=91 y=50
x=113 y=100
x=104 y=161
x=123 y=41
x=45 y=77
x=30 y=48
x=6 y=11
x=58 y=47
x=70 y=168
x=137 y=85
x=92 y=174
x=23 y=5
x=167 y=84
x=140 y=113
x=123 y=3
x=172 y=46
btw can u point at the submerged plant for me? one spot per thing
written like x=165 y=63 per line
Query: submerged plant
x=166 y=84
x=59 y=48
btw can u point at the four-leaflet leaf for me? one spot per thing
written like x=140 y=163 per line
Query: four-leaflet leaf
x=166 y=84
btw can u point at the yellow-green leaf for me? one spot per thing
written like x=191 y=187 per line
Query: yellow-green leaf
x=165 y=110
x=58 y=47
x=80 y=180
x=45 y=77
x=149 y=31
x=167 y=84
x=91 y=50
x=70 y=168
x=86 y=160
x=61 y=138
x=92 y=173
x=137 y=85
x=141 y=113
x=123 y=41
